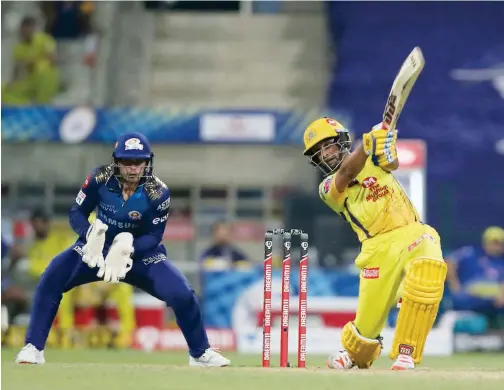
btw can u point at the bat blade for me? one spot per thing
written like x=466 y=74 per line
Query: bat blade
x=401 y=88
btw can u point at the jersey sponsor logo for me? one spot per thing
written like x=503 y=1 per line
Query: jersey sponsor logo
x=154 y=259
x=108 y=207
x=79 y=250
x=135 y=215
x=377 y=192
x=371 y=273
x=370 y=181
x=155 y=221
x=80 y=198
x=133 y=144
x=164 y=206
x=113 y=222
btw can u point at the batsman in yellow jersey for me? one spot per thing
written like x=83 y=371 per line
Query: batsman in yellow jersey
x=400 y=256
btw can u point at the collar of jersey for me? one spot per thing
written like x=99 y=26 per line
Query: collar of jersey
x=113 y=185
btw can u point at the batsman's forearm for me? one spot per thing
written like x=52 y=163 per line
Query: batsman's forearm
x=353 y=164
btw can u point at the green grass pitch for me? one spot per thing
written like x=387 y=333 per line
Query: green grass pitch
x=135 y=370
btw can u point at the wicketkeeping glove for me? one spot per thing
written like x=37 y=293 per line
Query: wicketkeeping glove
x=381 y=144
x=95 y=240
x=118 y=261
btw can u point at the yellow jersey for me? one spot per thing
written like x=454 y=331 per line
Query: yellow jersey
x=41 y=252
x=36 y=50
x=373 y=203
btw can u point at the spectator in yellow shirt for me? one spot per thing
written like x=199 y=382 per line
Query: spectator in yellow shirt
x=36 y=76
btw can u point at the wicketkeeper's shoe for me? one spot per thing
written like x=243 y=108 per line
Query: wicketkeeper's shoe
x=403 y=362
x=211 y=358
x=341 y=361
x=30 y=355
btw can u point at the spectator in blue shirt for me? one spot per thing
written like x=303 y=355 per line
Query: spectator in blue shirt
x=476 y=274
x=222 y=253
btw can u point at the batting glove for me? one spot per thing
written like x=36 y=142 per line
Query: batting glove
x=381 y=144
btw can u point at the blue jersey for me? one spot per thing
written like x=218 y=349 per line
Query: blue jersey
x=476 y=270
x=229 y=253
x=144 y=214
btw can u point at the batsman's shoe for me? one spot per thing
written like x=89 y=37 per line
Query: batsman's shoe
x=341 y=361
x=403 y=362
x=30 y=355
x=211 y=358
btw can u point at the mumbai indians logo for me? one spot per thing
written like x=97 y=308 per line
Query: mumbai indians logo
x=135 y=215
x=133 y=144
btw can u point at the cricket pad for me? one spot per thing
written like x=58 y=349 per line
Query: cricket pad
x=362 y=350
x=423 y=290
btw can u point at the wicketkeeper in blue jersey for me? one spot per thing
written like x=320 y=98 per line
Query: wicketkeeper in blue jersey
x=123 y=244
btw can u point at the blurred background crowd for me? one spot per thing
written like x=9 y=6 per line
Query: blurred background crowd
x=224 y=91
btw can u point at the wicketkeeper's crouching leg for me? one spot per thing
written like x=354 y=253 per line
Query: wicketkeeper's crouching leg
x=158 y=277
x=422 y=294
x=153 y=274
x=65 y=272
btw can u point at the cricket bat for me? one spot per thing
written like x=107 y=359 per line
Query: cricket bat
x=401 y=88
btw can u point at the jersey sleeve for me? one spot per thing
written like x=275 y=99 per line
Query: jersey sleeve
x=155 y=225
x=85 y=203
x=330 y=195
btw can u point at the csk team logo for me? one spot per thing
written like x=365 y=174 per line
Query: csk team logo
x=135 y=215
x=311 y=135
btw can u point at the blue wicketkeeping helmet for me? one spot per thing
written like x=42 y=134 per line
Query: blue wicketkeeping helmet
x=134 y=146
